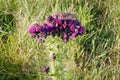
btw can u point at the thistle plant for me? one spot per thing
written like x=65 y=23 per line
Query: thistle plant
x=64 y=26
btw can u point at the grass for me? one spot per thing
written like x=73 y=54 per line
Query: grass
x=95 y=55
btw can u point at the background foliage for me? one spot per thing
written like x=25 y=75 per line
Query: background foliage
x=95 y=55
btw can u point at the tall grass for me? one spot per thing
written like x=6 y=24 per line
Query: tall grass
x=95 y=55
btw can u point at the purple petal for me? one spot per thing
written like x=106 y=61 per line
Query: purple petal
x=77 y=23
x=50 y=19
x=64 y=25
x=54 y=57
x=61 y=28
x=77 y=30
x=46 y=70
x=72 y=28
x=50 y=27
x=81 y=30
x=45 y=30
x=32 y=30
x=40 y=28
x=58 y=21
x=45 y=25
x=70 y=23
x=74 y=35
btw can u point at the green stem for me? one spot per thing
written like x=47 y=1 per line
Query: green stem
x=51 y=49
x=52 y=67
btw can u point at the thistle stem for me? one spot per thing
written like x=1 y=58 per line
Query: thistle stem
x=52 y=67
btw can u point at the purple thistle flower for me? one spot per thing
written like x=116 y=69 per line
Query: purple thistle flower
x=65 y=24
x=46 y=70
x=50 y=27
x=45 y=25
x=68 y=20
x=65 y=35
x=70 y=33
x=77 y=30
x=61 y=28
x=70 y=23
x=32 y=30
x=81 y=30
x=58 y=21
x=72 y=27
x=77 y=23
x=40 y=28
x=50 y=19
x=74 y=35
x=54 y=57
x=62 y=24
x=45 y=30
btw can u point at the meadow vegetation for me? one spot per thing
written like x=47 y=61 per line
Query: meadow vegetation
x=93 y=56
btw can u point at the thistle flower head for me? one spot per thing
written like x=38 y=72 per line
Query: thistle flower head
x=72 y=27
x=81 y=30
x=58 y=21
x=74 y=35
x=32 y=29
x=77 y=30
x=53 y=57
x=61 y=24
x=40 y=28
x=77 y=23
x=46 y=70
x=65 y=35
x=49 y=19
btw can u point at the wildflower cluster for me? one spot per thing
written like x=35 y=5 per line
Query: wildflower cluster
x=63 y=27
